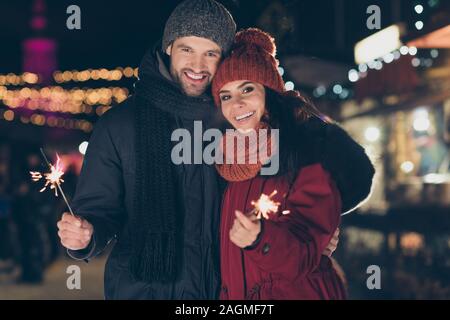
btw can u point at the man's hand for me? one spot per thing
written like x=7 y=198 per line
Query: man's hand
x=75 y=232
x=332 y=245
x=245 y=230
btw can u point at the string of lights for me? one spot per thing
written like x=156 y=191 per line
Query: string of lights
x=46 y=120
x=19 y=102
x=57 y=99
x=95 y=74
x=117 y=74
x=18 y=79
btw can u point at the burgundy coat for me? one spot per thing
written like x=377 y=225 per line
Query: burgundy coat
x=287 y=262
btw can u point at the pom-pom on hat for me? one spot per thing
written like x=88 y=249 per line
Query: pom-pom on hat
x=252 y=58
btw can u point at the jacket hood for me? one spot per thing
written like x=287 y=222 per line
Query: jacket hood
x=341 y=156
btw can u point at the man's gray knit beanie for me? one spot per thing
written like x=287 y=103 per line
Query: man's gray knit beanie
x=201 y=18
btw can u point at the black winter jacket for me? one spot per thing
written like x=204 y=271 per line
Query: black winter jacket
x=104 y=197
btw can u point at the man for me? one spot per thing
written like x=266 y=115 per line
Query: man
x=165 y=217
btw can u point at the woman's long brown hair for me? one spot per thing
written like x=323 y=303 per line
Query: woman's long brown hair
x=288 y=112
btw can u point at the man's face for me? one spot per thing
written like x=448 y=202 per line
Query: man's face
x=193 y=63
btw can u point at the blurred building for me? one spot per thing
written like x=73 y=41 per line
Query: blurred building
x=400 y=112
x=394 y=99
x=42 y=106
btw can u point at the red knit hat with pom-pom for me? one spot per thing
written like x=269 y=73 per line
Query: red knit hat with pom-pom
x=252 y=58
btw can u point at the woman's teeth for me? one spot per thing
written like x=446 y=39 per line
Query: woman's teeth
x=194 y=76
x=244 y=116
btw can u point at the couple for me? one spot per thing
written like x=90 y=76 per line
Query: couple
x=181 y=231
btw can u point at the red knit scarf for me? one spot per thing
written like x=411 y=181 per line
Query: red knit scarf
x=254 y=151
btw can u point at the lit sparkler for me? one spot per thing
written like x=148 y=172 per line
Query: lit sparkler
x=265 y=205
x=53 y=179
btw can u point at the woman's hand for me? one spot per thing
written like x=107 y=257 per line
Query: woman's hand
x=245 y=230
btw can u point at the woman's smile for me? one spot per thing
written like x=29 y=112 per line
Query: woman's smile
x=245 y=116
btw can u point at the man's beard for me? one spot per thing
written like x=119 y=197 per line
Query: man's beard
x=189 y=89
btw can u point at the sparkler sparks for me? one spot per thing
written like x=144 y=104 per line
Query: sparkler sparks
x=53 y=179
x=265 y=205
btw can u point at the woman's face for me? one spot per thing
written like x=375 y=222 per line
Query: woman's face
x=243 y=103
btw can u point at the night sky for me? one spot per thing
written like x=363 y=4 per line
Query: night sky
x=117 y=33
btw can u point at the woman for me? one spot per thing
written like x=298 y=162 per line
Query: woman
x=322 y=173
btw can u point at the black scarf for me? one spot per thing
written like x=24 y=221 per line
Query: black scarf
x=156 y=253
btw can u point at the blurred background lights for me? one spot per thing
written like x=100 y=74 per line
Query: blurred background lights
x=337 y=89
x=83 y=147
x=289 y=85
x=418 y=8
x=353 y=75
x=407 y=166
x=372 y=134
x=419 y=25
